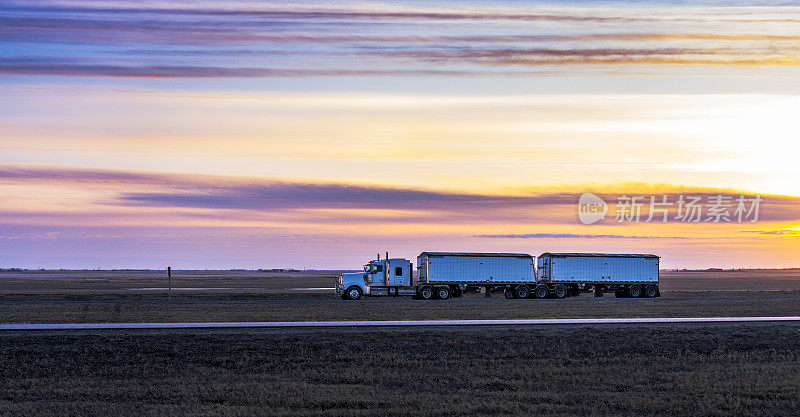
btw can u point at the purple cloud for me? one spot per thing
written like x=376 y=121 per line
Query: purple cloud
x=266 y=195
x=356 y=41
x=571 y=236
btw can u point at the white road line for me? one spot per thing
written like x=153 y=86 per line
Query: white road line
x=377 y=323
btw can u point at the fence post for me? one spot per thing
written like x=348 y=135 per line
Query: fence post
x=169 y=281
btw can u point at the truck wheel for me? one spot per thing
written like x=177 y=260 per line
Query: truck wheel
x=443 y=293
x=353 y=293
x=650 y=291
x=541 y=291
x=509 y=293
x=522 y=291
x=635 y=291
x=426 y=293
x=560 y=291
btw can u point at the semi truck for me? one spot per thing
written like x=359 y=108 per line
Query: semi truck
x=444 y=275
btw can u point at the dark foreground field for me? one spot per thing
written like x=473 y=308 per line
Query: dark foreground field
x=713 y=370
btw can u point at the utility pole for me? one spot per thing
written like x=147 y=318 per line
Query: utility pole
x=169 y=281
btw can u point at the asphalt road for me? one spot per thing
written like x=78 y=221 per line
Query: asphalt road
x=397 y=323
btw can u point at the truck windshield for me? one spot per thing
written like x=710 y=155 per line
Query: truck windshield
x=372 y=268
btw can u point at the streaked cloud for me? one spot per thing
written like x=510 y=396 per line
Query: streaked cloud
x=172 y=71
x=573 y=236
x=174 y=191
x=783 y=232
x=32 y=175
x=354 y=39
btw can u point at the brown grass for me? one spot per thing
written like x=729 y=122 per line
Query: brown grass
x=714 y=370
x=604 y=370
x=119 y=282
x=291 y=307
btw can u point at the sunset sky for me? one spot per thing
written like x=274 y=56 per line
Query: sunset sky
x=316 y=134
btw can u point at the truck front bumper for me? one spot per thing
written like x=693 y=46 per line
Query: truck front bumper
x=338 y=287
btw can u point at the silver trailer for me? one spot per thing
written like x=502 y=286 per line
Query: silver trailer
x=626 y=275
x=443 y=275
x=475 y=268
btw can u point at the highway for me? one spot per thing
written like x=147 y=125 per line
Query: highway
x=391 y=323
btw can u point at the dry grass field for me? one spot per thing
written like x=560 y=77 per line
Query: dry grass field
x=685 y=370
x=736 y=280
x=325 y=307
x=146 y=282
x=132 y=296
x=709 y=370
x=265 y=282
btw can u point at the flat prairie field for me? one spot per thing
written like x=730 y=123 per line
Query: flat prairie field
x=735 y=280
x=138 y=296
x=145 y=282
x=674 y=370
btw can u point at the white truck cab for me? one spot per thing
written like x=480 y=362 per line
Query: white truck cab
x=391 y=276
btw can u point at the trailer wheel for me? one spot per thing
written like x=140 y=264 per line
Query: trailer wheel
x=426 y=293
x=509 y=293
x=560 y=291
x=635 y=291
x=352 y=293
x=650 y=291
x=443 y=293
x=522 y=291
x=541 y=291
